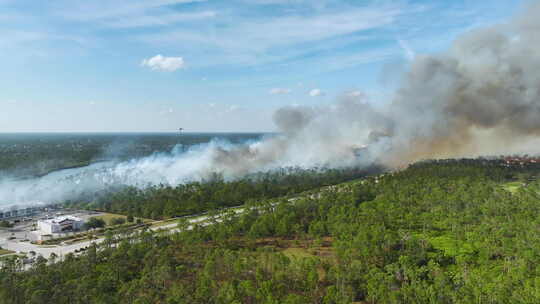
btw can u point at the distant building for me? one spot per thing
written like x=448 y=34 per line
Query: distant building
x=60 y=224
x=6 y=214
x=521 y=160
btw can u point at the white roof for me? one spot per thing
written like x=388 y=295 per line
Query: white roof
x=59 y=219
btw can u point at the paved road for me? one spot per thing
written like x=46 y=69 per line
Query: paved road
x=62 y=250
x=46 y=251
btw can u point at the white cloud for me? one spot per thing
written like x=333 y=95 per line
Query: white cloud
x=316 y=93
x=162 y=63
x=407 y=50
x=276 y=91
x=356 y=93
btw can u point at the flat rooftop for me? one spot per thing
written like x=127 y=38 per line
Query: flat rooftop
x=60 y=219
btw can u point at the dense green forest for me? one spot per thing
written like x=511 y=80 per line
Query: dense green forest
x=454 y=231
x=164 y=201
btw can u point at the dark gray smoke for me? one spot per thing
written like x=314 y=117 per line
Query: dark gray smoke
x=481 y=96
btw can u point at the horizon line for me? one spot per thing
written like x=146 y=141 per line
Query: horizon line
x=136 y=132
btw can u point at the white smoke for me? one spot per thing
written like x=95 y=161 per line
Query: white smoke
x=176 y=167
x=482 y=97
x=160 y=168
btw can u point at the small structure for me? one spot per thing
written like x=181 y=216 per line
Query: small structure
x=15 y=212
x=60 y=224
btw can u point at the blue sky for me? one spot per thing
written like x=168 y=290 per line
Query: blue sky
x=156 y=65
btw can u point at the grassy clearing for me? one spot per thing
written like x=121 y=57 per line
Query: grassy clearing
x=322 y=253
x=309 y=249
x=5 y=251
x=296 y=253
x=512 y=187
x=450 y=246
x=108 y=217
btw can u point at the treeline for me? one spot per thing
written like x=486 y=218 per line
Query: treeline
x=437 y=232
x=164 y=201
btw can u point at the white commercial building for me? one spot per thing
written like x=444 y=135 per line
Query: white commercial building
x=60 y=224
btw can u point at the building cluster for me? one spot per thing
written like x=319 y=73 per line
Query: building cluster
x=60 y=224
x=8 y=214
x=521 y=160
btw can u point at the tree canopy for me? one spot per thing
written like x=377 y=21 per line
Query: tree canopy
x=449 y=231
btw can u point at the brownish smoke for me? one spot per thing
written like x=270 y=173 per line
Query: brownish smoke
x=480 y=97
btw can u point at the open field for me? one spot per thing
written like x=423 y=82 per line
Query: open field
x=5 y=251
x=512 y=187
x=109 y=217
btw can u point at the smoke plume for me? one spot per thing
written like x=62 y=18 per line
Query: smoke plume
x=480 y=97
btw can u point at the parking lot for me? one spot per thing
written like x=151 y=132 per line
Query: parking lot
x=17 y=238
